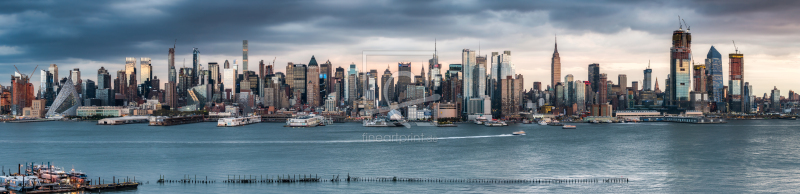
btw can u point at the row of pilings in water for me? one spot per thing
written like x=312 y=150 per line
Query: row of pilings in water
x=297 y=178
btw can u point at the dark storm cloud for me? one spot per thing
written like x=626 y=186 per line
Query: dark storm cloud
x=32 y=31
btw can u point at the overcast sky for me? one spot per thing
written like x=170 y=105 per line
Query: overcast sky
x=620 y=35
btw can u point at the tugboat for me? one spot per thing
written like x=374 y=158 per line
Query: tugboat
x=518 y=133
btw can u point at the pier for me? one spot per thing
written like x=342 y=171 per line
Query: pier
x=303 y=178
x=122 y=120
x=697 y=120
x=169 y=121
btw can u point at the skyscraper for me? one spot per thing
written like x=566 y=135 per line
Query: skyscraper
x=594 y=76
x=403 y=79
x=312 y=84
x=244 y=55
x=480 y=76
x=680 y=66
x=647 y=83
x=602 y=92
x=387 y=83
x=147 y=70
x=54 y=70
x=555 y=67
x=714 y=71
x=195 y=64
x=736 y=83
x=173 y=74
x=469 y=64
x=103 y=78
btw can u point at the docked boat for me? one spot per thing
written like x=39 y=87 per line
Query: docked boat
x=518 y=133
x=238 y=121
x=569 y=127
x=20 y=183
x=494 y=123
x=542 y=122
x=382 y=122
x=480 y=120
x=305 y=121
x=526 y=121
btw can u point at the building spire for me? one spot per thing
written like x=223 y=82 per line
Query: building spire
x=556 y=49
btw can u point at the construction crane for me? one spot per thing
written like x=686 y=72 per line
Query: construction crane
x=34 y=71
x=687 y=25
x=734 y=46
x=273 y=62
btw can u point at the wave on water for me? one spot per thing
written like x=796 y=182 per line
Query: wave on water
x=246 y=142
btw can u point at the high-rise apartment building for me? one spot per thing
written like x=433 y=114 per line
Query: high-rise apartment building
x=195 y=66
x=602 y=92
x=171 y=71
x=244 y=55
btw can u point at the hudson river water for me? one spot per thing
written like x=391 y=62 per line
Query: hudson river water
x=737 y=157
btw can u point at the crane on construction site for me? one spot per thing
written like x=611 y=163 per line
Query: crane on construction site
x=734 y=46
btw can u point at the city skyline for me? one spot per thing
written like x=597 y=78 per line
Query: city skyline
x=619 y=45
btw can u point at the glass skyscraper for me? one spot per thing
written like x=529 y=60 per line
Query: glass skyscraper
x=714 y=70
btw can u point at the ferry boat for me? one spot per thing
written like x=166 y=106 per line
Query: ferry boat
x=569 y=127
x=480 y=120
x=238 y=121
x=495 y=123
x=518 y=133
x=305 y=121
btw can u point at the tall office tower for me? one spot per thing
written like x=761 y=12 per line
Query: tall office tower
x=54 y=70
x=748 y=103
x=680 y=61
x=290 y=75
x=699 y=77
x=340 y=79
x=434 y=68
x=569 y=89
x=300 y=80
x=213 y=73
x=594 y=77
x=495 y=67
x=511 y=95
x=326 y=77
x=170 y=95
x=185 y=82
x=623 y=83
x=646 y=84
x=373 y=73
x=229 y=81
x=579 y=91
x=120 y=84
x=736 y=83
x=312 y=86
x=103 y=78
x=403 y=80
x=479 y=75
x=555 y=67
x=173 y=74
x=147 y=70
x=75 y=74
x=195 y=64
x=468 y=63
x=89 y=88
x=130 y=66
x=537 y=86
x=387 y=83
x=775 y=100
x=602 y=92
x=244 y=55
x=714 y=70
x=352 y=87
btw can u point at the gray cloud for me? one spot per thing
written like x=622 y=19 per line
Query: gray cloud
x=43 y=32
